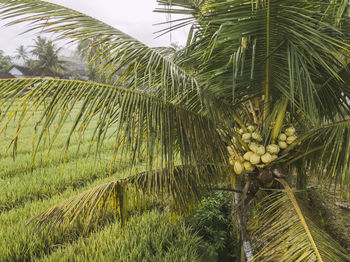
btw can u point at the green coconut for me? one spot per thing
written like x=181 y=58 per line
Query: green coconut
x=282 y=137
x=273 y=149
x=238 y=167
x=290 y=131
x=256 y=136
x=253 y=147
x=282 y=144
x=274 y=157
x=260 y=150
x=266 y=158
x=251 y=128
x=248 y=166
x=247 y=155
x=254 y=159
x=290 y=139
x=246 y=136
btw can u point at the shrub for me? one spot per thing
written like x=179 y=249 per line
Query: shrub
x=212 y=221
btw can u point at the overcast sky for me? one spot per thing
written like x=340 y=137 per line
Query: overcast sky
x=135 y=17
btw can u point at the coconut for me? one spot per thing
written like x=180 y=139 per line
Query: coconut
x=256 y=136
x=241 y=159
x=251 y=129
x=247 y=141
x=291 y=139
x=238 y=167
x=273 y=149
x=254 y=159
x=274 y=157
x=230 y=150
x=265 y=176
x=261 y=150
x=248 y=166
x=266 y=158
x=282 y=137
x=290 y=131
x=232 y=161
x=246 y=136
x=282 y=144
x=247 y=155
x=253 y=147
x=241 y=131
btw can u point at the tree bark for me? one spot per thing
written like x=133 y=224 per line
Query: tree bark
x=239 y=208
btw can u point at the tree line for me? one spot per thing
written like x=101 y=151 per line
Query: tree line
x=42 y=56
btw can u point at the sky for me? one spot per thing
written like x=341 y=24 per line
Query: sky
x=134 y=17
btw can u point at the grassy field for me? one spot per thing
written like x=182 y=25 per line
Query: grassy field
x=26 y=190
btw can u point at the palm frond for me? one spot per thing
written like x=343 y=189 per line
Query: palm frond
x=185 y=184
x=140 y=123
x=285 y=231
x=305 y=49
x=116 y=50
x=116 y=53
x=325 y=150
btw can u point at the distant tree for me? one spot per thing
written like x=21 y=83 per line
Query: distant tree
x=87 y=50
x=21 y=53
x=48 y=62
x=92 y=73
x=31 y=63
x=5 y=61
x=39 y=46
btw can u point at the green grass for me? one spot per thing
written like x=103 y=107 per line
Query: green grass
x=152 y=237
x=26 y=189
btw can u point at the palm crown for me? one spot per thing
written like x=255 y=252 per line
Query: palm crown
x=249 y=68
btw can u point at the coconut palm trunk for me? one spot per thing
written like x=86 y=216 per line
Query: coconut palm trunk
x=260 y=91
x=239 y=210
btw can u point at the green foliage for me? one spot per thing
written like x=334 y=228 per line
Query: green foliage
x=212 y=220
x=48 y=63
x=5 y=61
x=93 y=74
x=21 y=53
x=25 y=190
x=267 y=63
x=279 y=232
x=152 y=237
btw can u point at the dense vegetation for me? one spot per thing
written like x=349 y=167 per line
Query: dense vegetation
x=257 y=101
x=26 y=189
x=5 y=61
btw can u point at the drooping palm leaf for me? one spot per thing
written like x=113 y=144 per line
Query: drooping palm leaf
x=116 y=50
x=185 y=184
x=139 y=66
x=325 y=150
x=138 y=120
x=285 y=231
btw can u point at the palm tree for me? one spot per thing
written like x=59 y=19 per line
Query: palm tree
x=258 y=93
x=21 y=53
x=48 y=63
x=39 y=46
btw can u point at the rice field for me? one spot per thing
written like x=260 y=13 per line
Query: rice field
x=26 y=189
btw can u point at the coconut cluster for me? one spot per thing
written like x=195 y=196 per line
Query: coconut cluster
x=258 y=155
x=286 y=138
